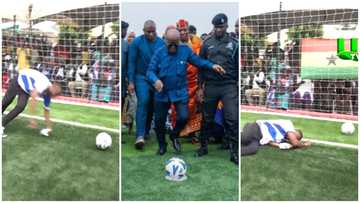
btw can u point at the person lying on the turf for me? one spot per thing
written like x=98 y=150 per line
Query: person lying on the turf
x=277 y=133
x=29 y=83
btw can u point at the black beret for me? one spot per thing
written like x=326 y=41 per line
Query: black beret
x=192 y=28
x=219 y=19
x=124 y=24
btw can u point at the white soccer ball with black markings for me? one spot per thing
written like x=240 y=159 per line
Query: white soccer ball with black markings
x=347 y=128
x=175 y=169
x=103 y=141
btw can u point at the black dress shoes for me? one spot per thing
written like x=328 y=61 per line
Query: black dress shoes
x=201 y=152
x=161 y=151
x=176 y=145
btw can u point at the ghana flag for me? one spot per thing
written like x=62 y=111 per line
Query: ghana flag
x=319 y=60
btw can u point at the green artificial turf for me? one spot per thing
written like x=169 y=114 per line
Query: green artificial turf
x=65 y=166
x=212 y=177
x=315 y=173
x=312 y=129
x=81 y=114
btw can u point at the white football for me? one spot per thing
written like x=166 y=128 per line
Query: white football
x=347 y=128
x=103 y=141
x=175 y=169
x=45 y=132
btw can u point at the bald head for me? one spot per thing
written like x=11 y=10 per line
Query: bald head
x=172 y=34
x=172 y=39
x=149 y=23
x=150 y=30
x=168 y=28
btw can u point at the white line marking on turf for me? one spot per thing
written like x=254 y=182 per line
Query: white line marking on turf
x=58 y=101
x=336 y=144
x=299 y=116
x=96 y=127
x=75 y=103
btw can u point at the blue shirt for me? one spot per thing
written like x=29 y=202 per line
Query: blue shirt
x=140 y=52
x=172 y=71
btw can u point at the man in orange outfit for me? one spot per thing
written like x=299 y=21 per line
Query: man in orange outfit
x=194 y=42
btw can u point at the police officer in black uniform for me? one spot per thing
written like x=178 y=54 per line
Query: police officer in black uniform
x=124 y=61
x=221 y=49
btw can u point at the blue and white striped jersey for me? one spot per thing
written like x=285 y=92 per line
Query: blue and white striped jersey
x=30 y=79
x=274 y=130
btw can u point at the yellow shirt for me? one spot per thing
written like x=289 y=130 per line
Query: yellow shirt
x=85 y=57
x=22 y=55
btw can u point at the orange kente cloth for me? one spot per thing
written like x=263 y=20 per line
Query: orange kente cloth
x=194 y=119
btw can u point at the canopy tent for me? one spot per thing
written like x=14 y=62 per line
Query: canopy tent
x=88 y=17
x=42 y=8
x=97 y=31
x=267 y=23
x=252 y=7
x=49 y=27
x=82 y=17
x=10 y=25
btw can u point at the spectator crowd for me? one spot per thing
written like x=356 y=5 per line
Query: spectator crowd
x=272 y=79
x=87 y=70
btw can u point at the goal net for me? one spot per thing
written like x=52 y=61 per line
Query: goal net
x=77 y=47
x=294 y=60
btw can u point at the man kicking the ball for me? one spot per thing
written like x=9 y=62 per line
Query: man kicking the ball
x=277 y=133
x=29 y=83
